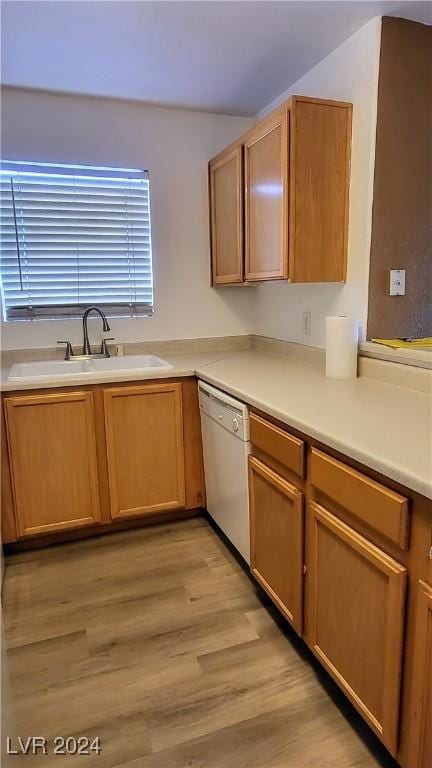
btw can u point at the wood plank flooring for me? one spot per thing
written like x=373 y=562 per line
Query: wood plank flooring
x=157 y=641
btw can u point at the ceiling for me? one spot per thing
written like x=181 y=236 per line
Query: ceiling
x=232 y=57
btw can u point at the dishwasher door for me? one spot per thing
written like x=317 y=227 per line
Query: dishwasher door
x=225 y=434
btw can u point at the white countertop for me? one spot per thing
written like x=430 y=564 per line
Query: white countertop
x=385 y=427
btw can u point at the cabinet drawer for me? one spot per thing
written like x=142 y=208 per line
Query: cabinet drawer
x=382 y=509
x=280 y=445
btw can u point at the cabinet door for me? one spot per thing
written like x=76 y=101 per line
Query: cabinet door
x=266 y=202
x=319 y=194
x=144 y=430
x=358 y=598
x=226 y=217
x=276 y=524
x=420 y=732
x=52 y=451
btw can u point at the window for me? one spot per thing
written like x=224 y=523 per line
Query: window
x=73 y=236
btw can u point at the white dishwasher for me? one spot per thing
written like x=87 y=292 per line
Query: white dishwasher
x=225 y=436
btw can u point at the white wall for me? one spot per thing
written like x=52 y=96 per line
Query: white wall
x=350 y=73
x=174 y=145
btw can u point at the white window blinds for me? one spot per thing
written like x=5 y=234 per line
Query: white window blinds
x=73 y=236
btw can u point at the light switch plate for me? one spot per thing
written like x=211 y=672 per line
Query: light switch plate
x=397 y=282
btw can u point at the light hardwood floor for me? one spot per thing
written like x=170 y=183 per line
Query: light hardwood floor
x=157 y=641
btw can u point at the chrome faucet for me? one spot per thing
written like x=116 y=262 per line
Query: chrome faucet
x=86 y=350
x=105 y=328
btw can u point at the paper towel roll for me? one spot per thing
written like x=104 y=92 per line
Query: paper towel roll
x=341 y=347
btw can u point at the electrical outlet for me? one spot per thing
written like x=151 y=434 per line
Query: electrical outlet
x=307 y=322
x=397 y=282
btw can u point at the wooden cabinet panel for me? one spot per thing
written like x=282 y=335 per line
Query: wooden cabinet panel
x=52 y=454
x=357 y=595
x=279 y=444
x=276 y=524
x=420 y=731
x=193 y=452
x=144 y=429
x=226 y=217
x=319 y=190
x=8 y=523
x=382 y=509
x=266 y=199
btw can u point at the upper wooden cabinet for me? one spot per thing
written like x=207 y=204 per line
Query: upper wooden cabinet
x=52 y=454
x=296 y=197
x=320 y=155
x=226 y=213
x=144 y=427
x=266 y=199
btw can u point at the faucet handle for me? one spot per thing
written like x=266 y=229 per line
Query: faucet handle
x=104 y=348
x=69 y=351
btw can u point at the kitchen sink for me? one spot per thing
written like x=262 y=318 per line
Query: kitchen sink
x=54 y=369
x=129 y=363
x=48 y=369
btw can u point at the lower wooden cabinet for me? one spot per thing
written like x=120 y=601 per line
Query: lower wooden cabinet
x=144 y=430
x=102 y=454
x=62 y=449
x=420 y=730
x=52 y=453
x=361 y=539
x=357 y=595
x=276 y=525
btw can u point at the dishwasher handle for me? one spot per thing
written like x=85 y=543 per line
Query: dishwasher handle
x=224 y=411
x=207 y=393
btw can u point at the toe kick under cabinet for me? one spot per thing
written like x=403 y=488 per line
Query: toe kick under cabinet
x=346 y=558
x=88 y=457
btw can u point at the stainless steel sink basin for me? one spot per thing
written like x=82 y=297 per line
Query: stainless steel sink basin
x=55 y=369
